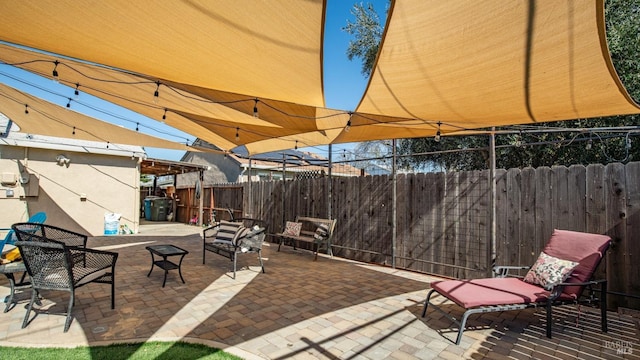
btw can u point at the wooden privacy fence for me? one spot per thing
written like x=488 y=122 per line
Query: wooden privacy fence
x=443 y=220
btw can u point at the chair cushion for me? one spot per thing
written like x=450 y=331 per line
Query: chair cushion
x=227 y=232
x=585 y=248
x=292 y=228
x=549 y=271
x=491 y=291
x=322 y=232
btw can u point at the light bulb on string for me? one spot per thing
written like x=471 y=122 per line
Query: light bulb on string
x=589 y=144
x=74 y=131
x=137 y=126
x=69 y=103
x=76 y=92
x=156 y=94
x=255 y=108
x=237 y=134
x=164 y=116
x=26 y=108
x=437 y=137
x=54 y=73
x=296 y=147
x=348 y=126
x=107 y=144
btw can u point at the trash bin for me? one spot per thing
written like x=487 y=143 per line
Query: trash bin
x=148 y=204
x=111 y=223
x=159 y=208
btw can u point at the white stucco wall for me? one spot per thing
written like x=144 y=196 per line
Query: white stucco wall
x=74 y=196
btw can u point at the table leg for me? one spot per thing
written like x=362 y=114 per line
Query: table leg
x=152 y=262
x=180 y=268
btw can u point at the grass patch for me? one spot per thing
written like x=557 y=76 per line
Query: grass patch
x=139 y=351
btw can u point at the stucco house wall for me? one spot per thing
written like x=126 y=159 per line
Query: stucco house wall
x=76 y=195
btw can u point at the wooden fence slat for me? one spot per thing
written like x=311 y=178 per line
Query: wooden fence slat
x=443 y=219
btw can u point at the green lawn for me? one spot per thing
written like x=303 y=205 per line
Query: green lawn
x=140 y=351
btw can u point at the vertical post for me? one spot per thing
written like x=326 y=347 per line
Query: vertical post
x=329 y=184
x=284 y=188
x=250 y=197
x=492 y=185
x=201 y=199
x=394 y=209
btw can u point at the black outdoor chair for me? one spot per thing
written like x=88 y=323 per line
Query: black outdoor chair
x=52 y=265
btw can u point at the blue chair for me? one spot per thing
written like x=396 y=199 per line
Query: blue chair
x=11 y=269
x=10 y=238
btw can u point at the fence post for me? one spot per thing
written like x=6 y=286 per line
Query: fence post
x=329 y=185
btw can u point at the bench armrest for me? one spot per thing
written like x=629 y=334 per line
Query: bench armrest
x=503 y=271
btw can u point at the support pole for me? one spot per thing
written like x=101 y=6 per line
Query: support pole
x=394 y=209
x=492 y=185
x=250 y=197
x=329 y=184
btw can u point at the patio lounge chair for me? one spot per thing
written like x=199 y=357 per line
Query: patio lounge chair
x=51 y=266
x=559 y=276
x=230 y=239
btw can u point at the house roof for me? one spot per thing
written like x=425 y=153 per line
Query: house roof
x=160 y=167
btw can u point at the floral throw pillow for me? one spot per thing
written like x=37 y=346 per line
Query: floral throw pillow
x=548 y=271
x=292 y=228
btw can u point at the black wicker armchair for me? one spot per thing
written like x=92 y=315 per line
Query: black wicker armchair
x=52 y=265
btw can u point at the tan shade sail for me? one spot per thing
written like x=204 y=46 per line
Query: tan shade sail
x=267 y=49
x=443 y=65
x=221 y=118
x=36 y=116
x=475 y=64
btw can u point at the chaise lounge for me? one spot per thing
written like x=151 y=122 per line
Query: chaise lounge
x=560 y=275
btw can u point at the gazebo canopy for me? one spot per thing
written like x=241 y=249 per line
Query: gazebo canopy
x=449 y=65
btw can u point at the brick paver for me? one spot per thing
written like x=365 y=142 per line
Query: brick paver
x=299 y=309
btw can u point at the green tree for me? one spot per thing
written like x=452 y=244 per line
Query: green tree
x=367 y=34
x=541 y=144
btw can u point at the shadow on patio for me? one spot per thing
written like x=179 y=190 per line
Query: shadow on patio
x=328 y=309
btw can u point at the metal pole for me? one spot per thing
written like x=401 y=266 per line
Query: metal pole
x=284 y=175
x=250 y=197
x=492 y=186
x=394 y=207
x=329 y=184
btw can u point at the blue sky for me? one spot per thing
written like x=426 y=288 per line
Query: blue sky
x=343 y=84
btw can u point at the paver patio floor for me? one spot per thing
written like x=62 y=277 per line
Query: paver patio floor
x=300 y=309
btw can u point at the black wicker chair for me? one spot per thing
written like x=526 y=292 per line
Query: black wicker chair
x=44 y=232
x=52 y=265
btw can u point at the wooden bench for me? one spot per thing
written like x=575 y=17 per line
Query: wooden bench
x=310 y=233
x=230 y=239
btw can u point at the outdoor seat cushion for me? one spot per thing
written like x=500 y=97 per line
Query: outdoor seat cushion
x=492 y=291
x=584 y=248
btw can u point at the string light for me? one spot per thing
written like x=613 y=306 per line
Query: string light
x=107 y=144
x=255 y=109
x=55 y=71
x=69 y=103
x=237 y=134
x=589 y=144
x=137 y=126
x=164 y=116
x=437 y=137
x=296 y=147
x=348 y=126
x=74 y=131
x=26 y=108
x=76 y=92
x=156 y=94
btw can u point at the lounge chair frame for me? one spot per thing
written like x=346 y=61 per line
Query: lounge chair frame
x=577 y=292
